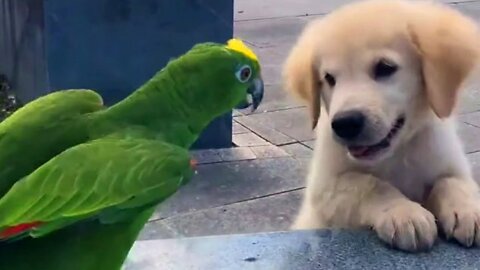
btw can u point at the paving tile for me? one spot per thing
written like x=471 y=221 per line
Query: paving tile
x=254 y=10
x=310 y=144
x=270 y=151
x=271 y=55
x=236 y=154
x=224 y=183
x=470 y=99
x=474 y=159
x=276 y=98
x=294 y=123
x=272 y=66
x=159 y=228
x=237 y=113
x=206 y=156
x=269 y=33
x=271 y=74
x=297 y=150
x=248 y=139
x=472 y=118
x=274 y=213
x=470 y=137
x=265 y=131
x=237 y=128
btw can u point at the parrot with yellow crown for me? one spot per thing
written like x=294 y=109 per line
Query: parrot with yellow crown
x=78 y=180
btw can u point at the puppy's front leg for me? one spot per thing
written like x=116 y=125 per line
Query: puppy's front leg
x=357 y=199
x=455 y=203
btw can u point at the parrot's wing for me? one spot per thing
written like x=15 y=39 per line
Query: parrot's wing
x=105 y=176
x=42 y=129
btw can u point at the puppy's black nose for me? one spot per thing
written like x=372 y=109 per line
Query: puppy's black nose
x=349 y=124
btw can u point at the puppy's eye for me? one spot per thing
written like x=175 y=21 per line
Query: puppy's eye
x=330 y=79
x=384 y=69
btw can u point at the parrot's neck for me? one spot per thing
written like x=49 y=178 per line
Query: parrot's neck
x=157 y=108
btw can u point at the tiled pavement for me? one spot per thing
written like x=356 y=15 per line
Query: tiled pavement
x=257 y=186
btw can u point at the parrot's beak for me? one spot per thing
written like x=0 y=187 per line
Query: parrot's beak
x=255 y=93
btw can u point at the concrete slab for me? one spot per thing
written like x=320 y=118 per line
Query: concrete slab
x=469 y=135
x=269 y=151
x=226 y=183
x=294 y=123
x=265 y=131
x=257 y=10
x=276 y=98
x=157 y=229
x=474 y=159
x=236 y=154
x=294 y=250
x=237 y=128
x=297 y=150
x=272 y=74
x=310 y=144
x=237 y=113
x=267 y=54
x=206 y=156
x=471 y=118
x=273 y=213
x=270 y=33
x=470 y=99
x=249 y=139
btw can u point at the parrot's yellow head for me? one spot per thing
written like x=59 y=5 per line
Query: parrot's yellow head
x=220 y=76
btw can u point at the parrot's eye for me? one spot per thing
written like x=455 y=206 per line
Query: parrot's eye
x=244 y=73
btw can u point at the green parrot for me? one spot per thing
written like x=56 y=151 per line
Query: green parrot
x=78 y=180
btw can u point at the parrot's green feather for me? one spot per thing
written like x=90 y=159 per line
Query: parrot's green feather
x=118 y=174
x=41 y=130
x=84 y=179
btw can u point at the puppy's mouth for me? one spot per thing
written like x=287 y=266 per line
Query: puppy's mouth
x=369 y=151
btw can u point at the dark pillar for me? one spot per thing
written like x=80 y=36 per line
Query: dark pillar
x=111 y=46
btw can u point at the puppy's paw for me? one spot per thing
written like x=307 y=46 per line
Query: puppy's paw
x=407 y=226
x=461 y=221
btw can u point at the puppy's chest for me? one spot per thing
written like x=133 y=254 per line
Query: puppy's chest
x=411 y=177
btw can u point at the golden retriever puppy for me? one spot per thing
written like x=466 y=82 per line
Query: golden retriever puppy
x=382 y=79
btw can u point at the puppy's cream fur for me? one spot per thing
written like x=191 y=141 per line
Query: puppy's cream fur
x=425 y=175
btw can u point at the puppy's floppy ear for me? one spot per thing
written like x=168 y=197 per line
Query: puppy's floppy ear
x=300 y=75
x=448 y=44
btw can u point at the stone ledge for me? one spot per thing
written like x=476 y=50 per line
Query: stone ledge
x=302 y=250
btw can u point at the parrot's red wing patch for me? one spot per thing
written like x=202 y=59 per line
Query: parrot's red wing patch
x=12 y=231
